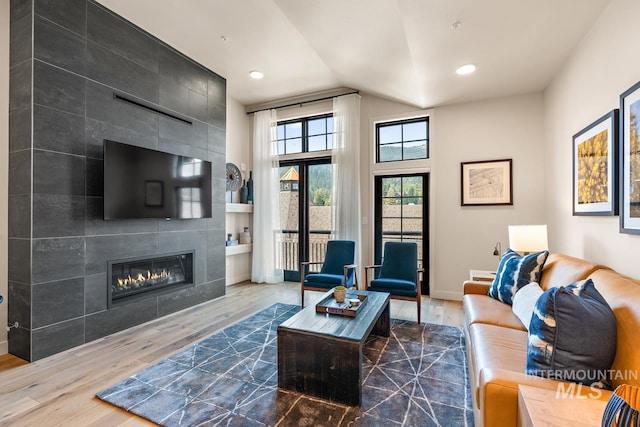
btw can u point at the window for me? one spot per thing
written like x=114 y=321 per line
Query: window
x=305 y=135
x=402 y=140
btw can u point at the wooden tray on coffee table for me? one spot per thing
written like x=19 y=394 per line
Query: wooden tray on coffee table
x=328 y=304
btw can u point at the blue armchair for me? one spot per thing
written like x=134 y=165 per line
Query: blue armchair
x=338 y=268
x=399 y=274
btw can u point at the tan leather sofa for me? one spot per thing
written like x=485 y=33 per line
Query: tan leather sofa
x=496 y=340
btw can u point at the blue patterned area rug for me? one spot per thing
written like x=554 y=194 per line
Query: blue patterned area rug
x=416 y=377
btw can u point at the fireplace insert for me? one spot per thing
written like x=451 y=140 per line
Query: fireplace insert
x=131 y=278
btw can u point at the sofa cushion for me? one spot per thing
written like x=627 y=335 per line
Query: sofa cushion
x=482 y=309
x=623 y=296
x=524 y=301
x=572 y=336
x=561 y=269
x=515 y=271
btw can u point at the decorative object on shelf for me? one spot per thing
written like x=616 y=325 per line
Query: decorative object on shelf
x=487 y=182
x=339 y=293
x=245 y=236
x=630 y=160
x=234 y=179
x=623 y=407
x=595 y=174
x=250 y=188
x=244 y=192
x=230 y=241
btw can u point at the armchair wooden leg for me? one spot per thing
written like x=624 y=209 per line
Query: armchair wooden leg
x=419 y=301
x=302 y=296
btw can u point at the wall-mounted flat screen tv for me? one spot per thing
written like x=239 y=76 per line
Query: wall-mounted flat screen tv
x=144 y=183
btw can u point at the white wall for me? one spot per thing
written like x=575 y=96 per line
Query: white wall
x=239 y=153
x=463 y=238
x=4 y=165
x=605 y=64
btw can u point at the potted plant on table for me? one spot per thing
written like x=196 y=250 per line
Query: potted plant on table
x=339 y=293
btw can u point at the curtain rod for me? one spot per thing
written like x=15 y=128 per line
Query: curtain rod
x=300 y=103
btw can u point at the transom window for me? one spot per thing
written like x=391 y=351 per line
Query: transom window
x=305 y=135
x=402 y=140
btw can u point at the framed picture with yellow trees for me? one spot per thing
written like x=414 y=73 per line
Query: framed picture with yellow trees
x=595 y=171
x=630 y=160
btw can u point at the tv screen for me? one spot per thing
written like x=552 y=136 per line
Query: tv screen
x=144 y=183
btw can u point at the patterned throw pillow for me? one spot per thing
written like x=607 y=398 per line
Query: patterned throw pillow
x=514 y=272
x=572 y=335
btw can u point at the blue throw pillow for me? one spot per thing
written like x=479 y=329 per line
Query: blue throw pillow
x=514 y=272
x=572 y=335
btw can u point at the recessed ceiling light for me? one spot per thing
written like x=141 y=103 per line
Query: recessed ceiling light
x=466 y=69
x=456 y=25
x=255 y=74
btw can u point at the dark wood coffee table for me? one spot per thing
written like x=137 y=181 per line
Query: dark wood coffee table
x=321 y=354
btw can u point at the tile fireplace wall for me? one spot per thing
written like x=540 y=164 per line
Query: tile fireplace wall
x=68 y=59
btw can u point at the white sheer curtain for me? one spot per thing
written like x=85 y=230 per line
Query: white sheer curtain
x=346 y=171
x=266 y=199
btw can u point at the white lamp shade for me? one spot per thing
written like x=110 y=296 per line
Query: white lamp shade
x=528 y=238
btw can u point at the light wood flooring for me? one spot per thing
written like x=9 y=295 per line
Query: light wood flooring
x=60 y=389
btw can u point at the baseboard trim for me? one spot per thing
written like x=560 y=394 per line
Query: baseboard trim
x=454 y=296
x=4 y=347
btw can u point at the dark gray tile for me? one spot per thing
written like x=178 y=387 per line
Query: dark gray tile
x=176 y=241
x=20 y=343
x=113 y=70
x=95 y=293
x=198 y=106
x=19 y=9
x=217 y=140
x=175 y=147
x=19 y=269
x=96 y=132
x=56 y=338
x=119 y=318
x=195 y=135
x=19 y=304
x=173 y=95
x=20 y=216
x=216 y=258
x=55 y=45
x=71 y=14
x=96 y=225
x=56 y=130
x=20 y=44
x=57 y=259
x=185 y=71
x=182 y=225
x=20 y=85
x=56 y=173
x=121 y=37
x=218 y=218
x=102 y=107
x=95 y=177
x=56 y=215
x=55 y=302
x=219 y=165
x=56 y=88
x=20 y=129
x=20 y=172
x=101 y=249
x=218 y=191
x=217 y=102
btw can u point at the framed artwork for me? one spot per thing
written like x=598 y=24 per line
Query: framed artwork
x=630 y=161
x=595 y=167
x=154 y=193
x=487 y=182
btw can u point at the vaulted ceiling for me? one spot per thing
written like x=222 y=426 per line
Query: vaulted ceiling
x=405 y=50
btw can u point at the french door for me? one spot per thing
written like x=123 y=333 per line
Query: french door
x=402 y=214
x=305 y=212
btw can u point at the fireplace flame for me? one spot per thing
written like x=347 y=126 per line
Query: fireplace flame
x=141 y=278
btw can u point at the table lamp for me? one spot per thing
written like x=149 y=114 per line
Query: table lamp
x=525 y=239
